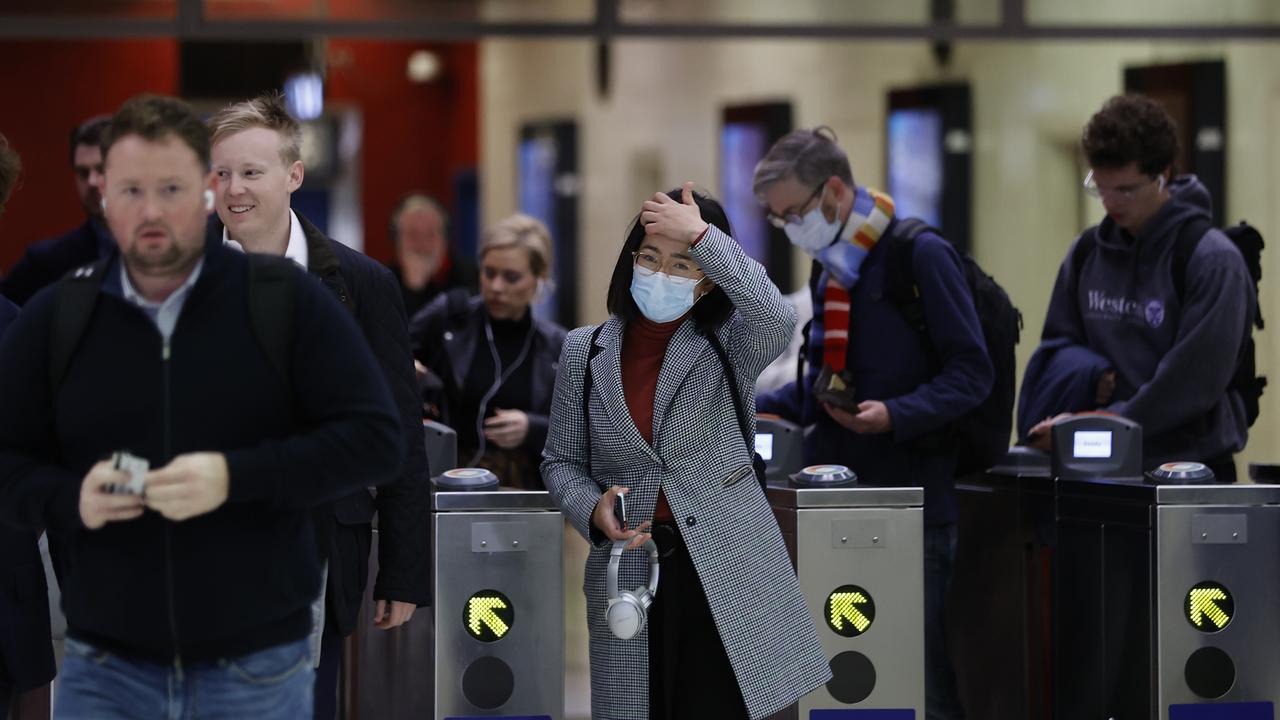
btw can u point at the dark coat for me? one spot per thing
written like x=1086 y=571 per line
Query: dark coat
x=446 y=337
x=891 y=362
x=26 y=647
x=242 y=577
x=47 y=260
x=370 y=292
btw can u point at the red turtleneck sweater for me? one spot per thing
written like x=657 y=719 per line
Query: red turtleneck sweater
x=643 y=347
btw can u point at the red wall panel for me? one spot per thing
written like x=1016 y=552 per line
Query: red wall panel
x=416 y=136
x=47 y=89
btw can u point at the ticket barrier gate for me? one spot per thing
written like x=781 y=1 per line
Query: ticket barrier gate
x=499 y=602
x=382 y=675
x=1165 y=593
x=998 y=608
x=858 y=552
x=780 y=443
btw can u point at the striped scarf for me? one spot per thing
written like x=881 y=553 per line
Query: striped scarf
x=872 y=213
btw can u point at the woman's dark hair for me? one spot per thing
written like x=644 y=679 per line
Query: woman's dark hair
x=709 y=311
x=1131 y=129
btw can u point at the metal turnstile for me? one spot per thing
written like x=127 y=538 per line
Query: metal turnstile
x=858 y=553
x=1166 y=601
x=382 y=675
x=998 y=608
x=499 y=605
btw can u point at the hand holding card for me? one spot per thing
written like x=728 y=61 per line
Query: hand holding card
x=98 y=505
x=135 y=467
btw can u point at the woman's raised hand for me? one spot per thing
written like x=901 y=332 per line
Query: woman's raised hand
x=682 y=221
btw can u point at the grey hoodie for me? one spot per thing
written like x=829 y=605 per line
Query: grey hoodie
x=1173 y=358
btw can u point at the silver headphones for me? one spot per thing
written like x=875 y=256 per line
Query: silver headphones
x=628 y=611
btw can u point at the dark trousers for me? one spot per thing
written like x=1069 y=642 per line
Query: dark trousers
x=689 y=672
x=326 y=705
x=941 y=699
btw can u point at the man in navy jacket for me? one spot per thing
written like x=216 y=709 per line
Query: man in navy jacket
x=198 y=592
x=47 y=260
x=26 y=652
x=256 y=151
x=1167 y=353
x=879 y=394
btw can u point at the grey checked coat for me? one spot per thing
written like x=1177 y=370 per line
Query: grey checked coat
x=701 y=461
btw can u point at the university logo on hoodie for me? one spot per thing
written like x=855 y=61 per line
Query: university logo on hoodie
x=1102 y=306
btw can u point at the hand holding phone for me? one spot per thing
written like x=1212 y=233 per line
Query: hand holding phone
x=610 y=514
x=620 y=510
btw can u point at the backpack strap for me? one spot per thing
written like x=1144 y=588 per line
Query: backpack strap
x=592 y=351
x=77 y=294
x=1189 y=237
x=900 y=282
x=271 y=300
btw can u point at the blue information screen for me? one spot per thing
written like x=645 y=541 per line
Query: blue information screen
x=1224 y=711
x=862 y=715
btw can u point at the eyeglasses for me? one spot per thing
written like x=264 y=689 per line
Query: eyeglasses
x=781 y=221
x=678 y=267
x=1124 y=193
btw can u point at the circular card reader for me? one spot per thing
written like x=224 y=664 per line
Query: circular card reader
x=820 y=476
x=1181 y=473
x=466 y=479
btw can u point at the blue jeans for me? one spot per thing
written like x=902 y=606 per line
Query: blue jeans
x=271 y=684
x=941 y=700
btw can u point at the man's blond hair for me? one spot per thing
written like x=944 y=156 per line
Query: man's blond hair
x=265 y=111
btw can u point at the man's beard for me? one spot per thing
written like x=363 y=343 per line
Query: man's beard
x=167 y=260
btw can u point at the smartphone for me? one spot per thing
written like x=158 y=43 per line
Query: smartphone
x=620 y=510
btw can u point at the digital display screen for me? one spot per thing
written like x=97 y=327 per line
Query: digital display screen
x=915 y=163
x=537 y=171
x=764 y=446
x=742 y=145
x=1092 y=444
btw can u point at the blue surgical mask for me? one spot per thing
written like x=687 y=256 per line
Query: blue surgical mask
x=662 y=297
x=814 y=232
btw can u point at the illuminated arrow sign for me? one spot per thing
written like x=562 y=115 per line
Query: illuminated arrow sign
x=488 y=615
x=1209 y=606
x=849 y=610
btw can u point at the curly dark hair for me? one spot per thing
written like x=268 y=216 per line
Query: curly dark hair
x=1131 y=129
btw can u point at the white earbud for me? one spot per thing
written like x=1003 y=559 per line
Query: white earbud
x=208 y=200
x=103 y=202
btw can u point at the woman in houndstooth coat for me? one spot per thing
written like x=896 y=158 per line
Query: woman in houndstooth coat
x=729 y=634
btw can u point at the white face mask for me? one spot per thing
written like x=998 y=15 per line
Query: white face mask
x=814 y=232
x=662 y=297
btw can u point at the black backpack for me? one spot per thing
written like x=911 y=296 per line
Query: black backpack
x=271 y=292
x=1248 y=241
x=983 y=434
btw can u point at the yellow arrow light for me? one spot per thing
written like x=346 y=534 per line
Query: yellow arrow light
x=844 y=607
x=1203 y=605
x=480 y=610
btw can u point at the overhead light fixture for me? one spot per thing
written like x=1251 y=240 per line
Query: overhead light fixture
x=304 y=95
x=423 y=66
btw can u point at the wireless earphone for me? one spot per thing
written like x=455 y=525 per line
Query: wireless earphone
x=208 y=199
x=628 y=611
